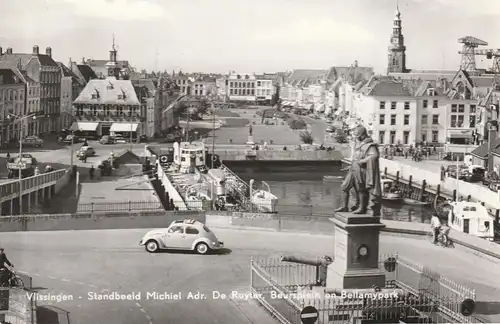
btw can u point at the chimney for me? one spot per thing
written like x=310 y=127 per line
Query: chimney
x=48 y=51
x=492 y=136
x=36 y=50
x=9 y=50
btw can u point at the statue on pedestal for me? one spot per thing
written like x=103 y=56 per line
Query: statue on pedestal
x=363 y=177
x=250 y=130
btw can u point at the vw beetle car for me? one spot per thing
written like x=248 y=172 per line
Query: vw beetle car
x=186 y=234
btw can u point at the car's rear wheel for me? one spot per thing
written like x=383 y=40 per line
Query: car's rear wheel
x=201 y=248
x=152 y=246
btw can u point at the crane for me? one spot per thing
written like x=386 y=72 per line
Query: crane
x=470 y=44
x=492 y=53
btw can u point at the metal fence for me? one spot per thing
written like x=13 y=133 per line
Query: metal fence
x=126 y=206
x=285 y=289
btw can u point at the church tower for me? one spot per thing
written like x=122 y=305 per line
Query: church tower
x=397 y=49
x=113 y=66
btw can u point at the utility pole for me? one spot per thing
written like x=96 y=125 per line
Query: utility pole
x=213 y=131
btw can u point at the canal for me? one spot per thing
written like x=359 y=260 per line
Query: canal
x=302 y=191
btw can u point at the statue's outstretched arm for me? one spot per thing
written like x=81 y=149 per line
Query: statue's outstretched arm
x=371 y=154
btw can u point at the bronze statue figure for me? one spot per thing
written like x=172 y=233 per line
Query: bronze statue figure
x=363 y=177
x=250 y=130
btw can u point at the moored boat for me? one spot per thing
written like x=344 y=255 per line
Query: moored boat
x=263 y=200
x=414 y=202
x=332 y=178
x=390 y=192
x=471 y=218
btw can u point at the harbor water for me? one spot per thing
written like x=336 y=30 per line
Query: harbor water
x=302 y=191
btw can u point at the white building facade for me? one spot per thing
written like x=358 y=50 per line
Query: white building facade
x=242 y=86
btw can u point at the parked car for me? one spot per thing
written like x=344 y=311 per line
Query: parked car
x=120 y=140
x=85 y=151
x=330 y=129
x=188 y=234
x=107 y=139
x=32 y=141
x=72 y=139
x=143 y=139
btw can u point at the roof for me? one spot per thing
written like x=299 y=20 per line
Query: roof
x=306 y=74
x=24 y=59
x=11 y=76
x=484 y=81
x=206 y=79
x=424 y=75
x=27 y=78
x=148 y=83
x=383 y=86
x=102 y=63
x=108 y=91
x=424 y=86
x=86 y=72
x=482 y=150
x=67 y=72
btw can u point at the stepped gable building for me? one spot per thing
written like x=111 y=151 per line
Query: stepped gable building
x=43 y=69
x=109 y=106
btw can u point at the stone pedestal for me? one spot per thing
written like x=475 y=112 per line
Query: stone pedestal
x=356 y=263
x=250 y=140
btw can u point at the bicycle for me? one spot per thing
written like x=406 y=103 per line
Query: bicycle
x=442 y=239
x=13 y=280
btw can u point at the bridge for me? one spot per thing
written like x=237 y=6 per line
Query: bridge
x=33 y=188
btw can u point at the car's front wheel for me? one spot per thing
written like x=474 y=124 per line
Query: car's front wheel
x=152 y=246
x=202 y=248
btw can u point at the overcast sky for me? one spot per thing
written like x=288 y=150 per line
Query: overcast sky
x=248 y=35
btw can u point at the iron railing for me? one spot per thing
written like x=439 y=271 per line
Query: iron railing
x=125 y=206
x=285 y=290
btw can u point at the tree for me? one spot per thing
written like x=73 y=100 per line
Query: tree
x=306 y=137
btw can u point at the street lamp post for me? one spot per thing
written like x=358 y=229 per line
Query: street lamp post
x=20 y=174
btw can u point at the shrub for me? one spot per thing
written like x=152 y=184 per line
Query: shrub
x=306 y=137
x=295 y=123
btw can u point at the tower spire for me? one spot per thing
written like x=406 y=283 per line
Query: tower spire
x=397 y=48
x=113 y=47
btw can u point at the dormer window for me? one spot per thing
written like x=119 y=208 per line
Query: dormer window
x=431 y=92
x=238 y=77
x=247 y=77
x=120 y=97
x=95 y=95
x=110 y=86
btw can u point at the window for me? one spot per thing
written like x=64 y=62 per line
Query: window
x=472 y=121
x=231 y=84
x=393 y=105
x=453 y=122
x=406 y=121
x=406 y=137
x=381 y=137
x=435 y=119
x=461 y=108
x=407 y=105
x=453 y=108
x=192 y=230
x=435 y=136
x=258 y=83
x=425 y=103
x=381 y=119
x=460 y=122
x=206 y=229
x=472 y=109
x=393 y=119
x=435 y=104
x=382 y=105
x=424 y=136
x=176 y=229
x=424 y=120
x=393 y=137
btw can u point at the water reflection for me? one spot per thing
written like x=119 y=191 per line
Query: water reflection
x=305 y=193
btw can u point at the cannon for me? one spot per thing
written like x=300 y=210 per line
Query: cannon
x=321 y=265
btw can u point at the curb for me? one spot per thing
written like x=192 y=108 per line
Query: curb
x=386 y=229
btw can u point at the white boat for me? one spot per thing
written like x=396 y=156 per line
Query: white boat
x=390 y=192
x=263 y=200
x=471 y=218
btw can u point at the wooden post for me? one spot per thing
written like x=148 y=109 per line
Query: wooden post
x=497 y=216
x=438 y=191
x=422 y=192
x=469 y=197
x=397 y=177
x=385 y=171
x=482 y=203
x=454 y=195
x=409 y=186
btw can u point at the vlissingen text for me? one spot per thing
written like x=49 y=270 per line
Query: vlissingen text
x=49 y=297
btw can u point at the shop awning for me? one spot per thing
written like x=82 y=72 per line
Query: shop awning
x=123 y=127
x=84 y=126
x=460 y=133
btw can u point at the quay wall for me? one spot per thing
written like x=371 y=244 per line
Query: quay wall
x=170 y=189
x=448 y=185
x=275 y=155
x=88 y=221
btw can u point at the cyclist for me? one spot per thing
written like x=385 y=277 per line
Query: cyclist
x=436 y=227
x=4 y=260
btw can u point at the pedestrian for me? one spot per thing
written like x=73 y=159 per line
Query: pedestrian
x=8 y=156
x=91 y=172
x=84 y=157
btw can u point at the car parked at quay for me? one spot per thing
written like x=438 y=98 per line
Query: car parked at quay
x=188 y=234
